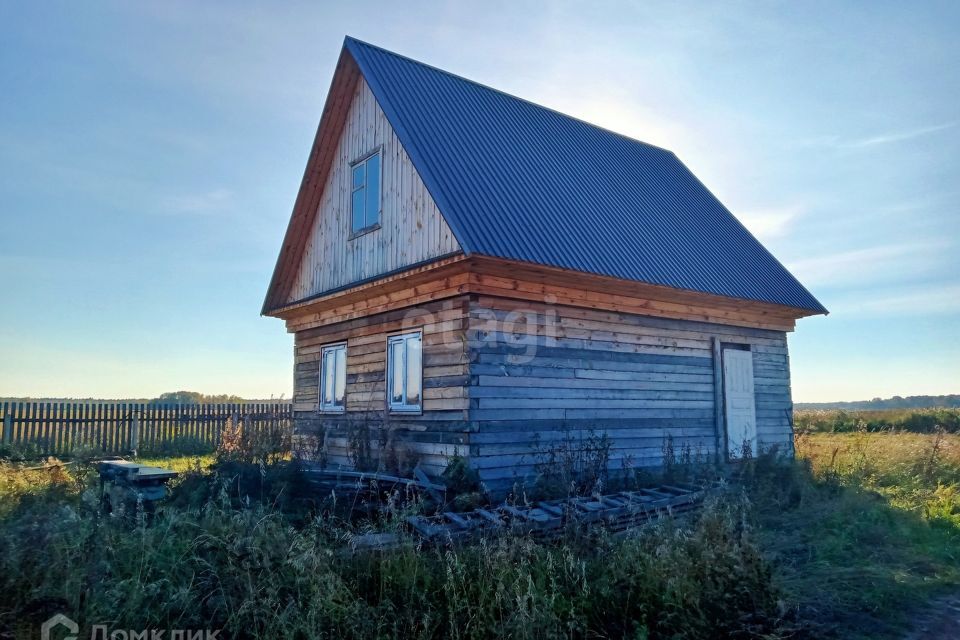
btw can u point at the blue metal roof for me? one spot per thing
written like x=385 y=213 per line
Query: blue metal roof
x=519 y=181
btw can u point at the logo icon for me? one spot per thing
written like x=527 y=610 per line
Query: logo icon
x=59 y=620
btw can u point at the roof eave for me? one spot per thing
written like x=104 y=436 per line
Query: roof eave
x=794 y=311
x=294 y=237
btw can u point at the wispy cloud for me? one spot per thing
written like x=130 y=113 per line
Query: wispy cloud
x=899 y=136
x=770 y=223
x=209 y=202
x=870 y=264
x=888 y=137
x=934 y=300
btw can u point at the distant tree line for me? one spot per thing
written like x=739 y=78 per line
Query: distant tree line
x=195 y=397
x=896 y=402
x=171 y=397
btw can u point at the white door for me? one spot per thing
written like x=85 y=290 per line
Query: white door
x=739 y=402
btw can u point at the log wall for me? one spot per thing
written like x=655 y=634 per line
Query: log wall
x=543 y=375
x=508 y=381
x=428 y=438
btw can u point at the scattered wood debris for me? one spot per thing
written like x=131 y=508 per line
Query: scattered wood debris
x=122 y=481
x=618 y=512
x=361 y=481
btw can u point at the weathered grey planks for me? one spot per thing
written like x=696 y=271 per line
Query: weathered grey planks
x=545 y=376
x=616 y=511
x=49 y=428
x=411 y=227
x=505 y=384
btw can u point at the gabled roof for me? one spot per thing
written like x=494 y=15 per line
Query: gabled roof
x=518 y=181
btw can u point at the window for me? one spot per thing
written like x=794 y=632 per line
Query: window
x=333 y=378
x=365 y=192
x=404 y=372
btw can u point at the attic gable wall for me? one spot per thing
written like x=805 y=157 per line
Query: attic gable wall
x=412 y=228
x=500 y=166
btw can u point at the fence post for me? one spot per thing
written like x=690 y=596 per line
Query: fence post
x=8 y=427
x=135 y=432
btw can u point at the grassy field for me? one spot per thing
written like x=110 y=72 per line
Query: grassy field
x=868 y=532
x=847 y=542
x=25 y=481
x=913 y=420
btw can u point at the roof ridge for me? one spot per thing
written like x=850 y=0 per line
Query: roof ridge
x=672 y=232
x=351 y=39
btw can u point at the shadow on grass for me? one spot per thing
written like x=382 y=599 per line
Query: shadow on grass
x=232 y=559
x=807 y=555
x=850 y=563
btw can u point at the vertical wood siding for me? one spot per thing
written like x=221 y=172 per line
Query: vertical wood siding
x=412 y=229
x=60 y=428
x=635 y=379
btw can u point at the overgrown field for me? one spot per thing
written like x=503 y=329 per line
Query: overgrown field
x=914 y=420
x=844 y=543
x=869 y=534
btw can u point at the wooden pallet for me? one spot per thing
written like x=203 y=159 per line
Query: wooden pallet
x=617 y=511
x=349 y=482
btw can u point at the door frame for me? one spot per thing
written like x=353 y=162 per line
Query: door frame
x=720 y=396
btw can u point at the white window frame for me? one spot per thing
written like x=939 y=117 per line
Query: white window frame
x=353 y=189
x=404 y=406
x=332 y=407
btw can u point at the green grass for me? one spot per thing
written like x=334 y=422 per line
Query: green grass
x=238 y=563
x=181 y=464
x=843 y=421
x=845 y=543
x=865 y=529
x=20 y=480
x=915 y=473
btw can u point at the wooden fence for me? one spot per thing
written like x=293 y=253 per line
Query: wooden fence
x=58 y=428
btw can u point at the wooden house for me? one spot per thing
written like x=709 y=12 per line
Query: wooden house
x=468 y=273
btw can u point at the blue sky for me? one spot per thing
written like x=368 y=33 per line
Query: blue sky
x=151 y=153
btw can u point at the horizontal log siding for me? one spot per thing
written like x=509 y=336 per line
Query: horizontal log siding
x=429 y=438
x=542 y=374
x=506 y=381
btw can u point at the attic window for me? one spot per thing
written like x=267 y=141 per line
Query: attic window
x=365 y=192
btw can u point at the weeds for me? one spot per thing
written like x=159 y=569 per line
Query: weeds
x=913 y=420
x=244 y=567
x=575 y=464
x=862 y=528
x=839 y=544
x=245 y=441
x=463 y=482
x=904 y=469
x=379 y=448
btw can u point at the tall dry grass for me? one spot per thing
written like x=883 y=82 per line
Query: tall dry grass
x=239 y=563
x=840 y=544
x=844 y=421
